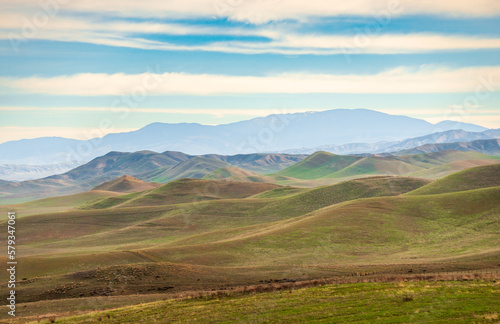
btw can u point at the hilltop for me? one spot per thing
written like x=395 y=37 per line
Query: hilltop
x=186 y=191
x=126 y=184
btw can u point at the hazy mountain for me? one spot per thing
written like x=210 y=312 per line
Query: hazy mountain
x=450 y=136
x=3 y=182
x=450 y=124
x=20 y=172
x=266 y=134
x=491 y=147
x=38 y=151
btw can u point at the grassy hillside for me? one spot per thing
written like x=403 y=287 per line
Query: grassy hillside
x=317 y=198
x=402 y=302
x=191 y=190
x=319 y=164
x=449 y=168
x=250 y=233
x=473 y=178
x=195 y=168
x=194 y=234
x=323 y=165
x=237 y=174
x=57 y=204
x=386 y=229
x=260 y=162
x=126 y=184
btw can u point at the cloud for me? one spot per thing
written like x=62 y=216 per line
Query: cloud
x=137 y=86
x=263 y=11
x=219 y=113
x=278 y=39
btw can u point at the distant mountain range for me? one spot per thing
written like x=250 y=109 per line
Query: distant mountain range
x=145 y=165
x=273 y=133
x=284 y=169
x=491 y=147
x=451 y=136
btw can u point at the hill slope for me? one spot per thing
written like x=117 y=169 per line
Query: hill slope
x=386 y=229
x=326 y=165
x=193 y=190
x=126 y=184
x=473 y=178
x=318 y=165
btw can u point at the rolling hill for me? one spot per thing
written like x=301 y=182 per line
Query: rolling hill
x=186 y=191
x=469 y=179
x=318 y=165
x=323 y=165
x=57 y=204
x=374 y=230
x=195 y=168
x=126 y=184
x=206 y=234
x=238 y=175
x=145 y=165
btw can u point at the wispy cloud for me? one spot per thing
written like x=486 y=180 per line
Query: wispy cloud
x=262 y=11
x=219 y=113
x=278 y=39
x=398 y=80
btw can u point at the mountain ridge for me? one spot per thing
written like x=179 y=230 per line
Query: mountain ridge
x=273 y=133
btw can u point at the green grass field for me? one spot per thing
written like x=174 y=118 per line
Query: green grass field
x=402 y=302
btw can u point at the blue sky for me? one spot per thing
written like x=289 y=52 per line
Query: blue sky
x=68 y=67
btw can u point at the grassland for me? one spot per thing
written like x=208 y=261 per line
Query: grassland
x=402 y=302
x=472 y=178
x=192 y=235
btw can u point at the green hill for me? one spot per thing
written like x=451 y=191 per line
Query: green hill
x=317 y=198
x=192 y=190
x=375 y=230
x=237 y=174
x=323 y=165
x=195 y=168
x=58 y=204
x=473 y=178
x=319 y=164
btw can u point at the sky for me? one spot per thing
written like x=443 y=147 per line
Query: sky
x=82 y=69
